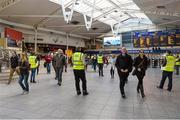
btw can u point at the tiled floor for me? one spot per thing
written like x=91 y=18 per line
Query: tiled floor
x=47 y=100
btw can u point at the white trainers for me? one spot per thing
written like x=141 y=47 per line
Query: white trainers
x=23 y=92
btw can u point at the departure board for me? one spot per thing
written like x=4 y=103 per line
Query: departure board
x=156 y=39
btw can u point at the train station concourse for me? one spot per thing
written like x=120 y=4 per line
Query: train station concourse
x=89 y=59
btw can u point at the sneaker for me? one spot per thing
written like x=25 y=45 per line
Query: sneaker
x=85 y=93
x=26 y=92
x=23 y=92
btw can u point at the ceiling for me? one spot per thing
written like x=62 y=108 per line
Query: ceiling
x=161 y=12
x=47 y=14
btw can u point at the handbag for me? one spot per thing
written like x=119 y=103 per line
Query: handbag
x=45 y=64
x=135 y=70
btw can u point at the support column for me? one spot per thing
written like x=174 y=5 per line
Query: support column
x=120 y=35
x=67 y=45
x=35 y=40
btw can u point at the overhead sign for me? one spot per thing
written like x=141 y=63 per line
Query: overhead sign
x=156 y=39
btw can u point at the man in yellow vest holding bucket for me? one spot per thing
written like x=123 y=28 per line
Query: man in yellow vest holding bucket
x=33 y=65
x=168 y=68
x=79 y=71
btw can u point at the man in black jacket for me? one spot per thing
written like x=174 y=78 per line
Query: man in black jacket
x=124 y=67
x=14 y=66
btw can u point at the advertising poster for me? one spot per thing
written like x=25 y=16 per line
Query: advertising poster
x=69 y=53
x=2 y=43
x=14 y=38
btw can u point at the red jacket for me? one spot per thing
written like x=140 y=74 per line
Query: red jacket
x=48 y=58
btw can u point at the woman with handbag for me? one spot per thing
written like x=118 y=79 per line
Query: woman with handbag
x=24 y=67
x=140 y=64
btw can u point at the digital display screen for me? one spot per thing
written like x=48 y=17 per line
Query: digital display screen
x=112 y=41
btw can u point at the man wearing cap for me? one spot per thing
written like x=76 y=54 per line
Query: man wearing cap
x=79 y=71
x=59 y=62
x=124 y=67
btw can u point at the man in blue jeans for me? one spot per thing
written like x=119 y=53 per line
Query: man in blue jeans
x=33 y=65
x=48 y=59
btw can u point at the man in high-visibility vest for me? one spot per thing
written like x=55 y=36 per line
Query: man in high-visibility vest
x=177 y=64
x=33 y=65
x=79 y=71
x=100 y=63
x=168 y=68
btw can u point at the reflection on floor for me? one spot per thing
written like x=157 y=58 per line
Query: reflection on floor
x=47 y=100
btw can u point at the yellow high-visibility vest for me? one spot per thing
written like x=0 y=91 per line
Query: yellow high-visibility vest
x=32 y=61
x=77 y=61
x=177 y=61
x=170 y=64
x=100 y=59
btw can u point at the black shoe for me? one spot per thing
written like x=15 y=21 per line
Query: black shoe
x=34 y=81
x=168 y=90
x=59 y=84
x=78 y=93
x=123 y=96
x=85 y=93
x=158 y=87
x=143 y=95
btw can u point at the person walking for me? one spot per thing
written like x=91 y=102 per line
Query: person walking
x=33 y=65
x=38 y=61
x=48 y=59
x=13 y=68
x=113 y=61
x=79 y=71
x=54 y=64
x=124 y=67
x=177 y=64
x=24 y=73
x=59 y=62
x=100 y=63
x=140 y=64
x=94 y=62
x=168 y=68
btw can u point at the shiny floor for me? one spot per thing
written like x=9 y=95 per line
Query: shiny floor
x=47 y=100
